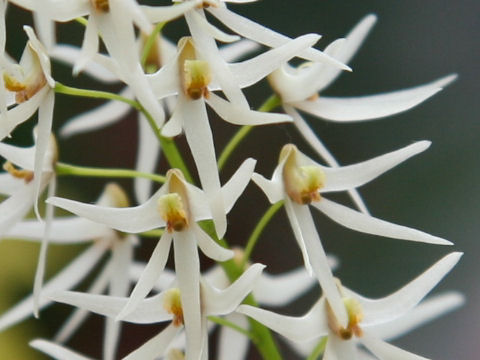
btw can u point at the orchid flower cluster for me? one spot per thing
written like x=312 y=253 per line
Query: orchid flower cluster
x=170 y=85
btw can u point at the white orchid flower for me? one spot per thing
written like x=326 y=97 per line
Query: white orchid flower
x=114 y=274
x=365 y=316
x=32 y=84
x=301 y=182
x=177 y=206
x=298 y=88
x=170 y=305
x=191 y=77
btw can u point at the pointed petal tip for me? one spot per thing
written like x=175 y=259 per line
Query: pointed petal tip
x=371 y=19
x=447 y=80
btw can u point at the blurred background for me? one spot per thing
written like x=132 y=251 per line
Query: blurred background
x=413 y=42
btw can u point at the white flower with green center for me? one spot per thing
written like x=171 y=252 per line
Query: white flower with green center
x=365 y=317
x=114 y=274
x=298 y=88
x=170 y=305
x=301 y=182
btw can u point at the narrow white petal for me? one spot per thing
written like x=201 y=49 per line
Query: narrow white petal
x=151 y=310
x=164 y=281
x=428 y=310
x=19 y=156
x=213 y=31
x=136 y=14
x=174 y=126
x=263 y=35
x=400 y=302
x=372 y=106
x=66 y=279
x=78 y=316
x=368 y=224
x=319 y=261
x=165 y=13
x=166 y=81
x=280 y=290
x=207 y=49
x=237 y=183
x=45 y=27
x=9 y=185
x=345 y=51
x=231 y=344
x=253 y=70
x=99 y=117
x=68 y=54
x=309 y=326
x=40 y=50
x=44 y=128
x=187 y=266
x=147 y=157
x=352 y=176
x=89 y=46
x=149 y=277
x=22 y=112
x=134 y=220
x=234 y=114
x=156 y=346
x=15 y=207
x=238 y=50
x=63 y=230
x=209 y=247
x=272 y=189
x=200 y=140
x=222 y=302
x=383 y=350
x=42 y=257
x=56 y=351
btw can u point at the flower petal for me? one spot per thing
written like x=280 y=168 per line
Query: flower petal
x=164 y=281
x=157 y=14
x=272 y=189
x=309 y=326
x=89 y=48
x=209 y=247
x=237 y=183
x=149 y=277
x=99 y=117
x=369 y=225
x=400 y=302
x=233 y=114
x=55 y=350
x=67 y=278
x=254 y=31
x=223 y=302
x=339 y=349
x=253 y=70
x=423 y=313
x=319 y=262
x=187 y=267
x=372 y=106
x=383 y=350
x=231 y=344
x=134 y=219
x=238 y=50
x=156 y=346
x=349 y=177
x=279 y=290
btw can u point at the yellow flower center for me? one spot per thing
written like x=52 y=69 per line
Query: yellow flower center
x=172 y=304
x=355 y=317
x=26 y=175
x=195 y=75
x=173 y=212
x=302 y=183
x=102 y=6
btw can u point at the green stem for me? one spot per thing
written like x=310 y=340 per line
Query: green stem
x=263 y=337
x=252 y=240
x=153 y=233
x=168 y=146
x=271 y=103
x=150 y=42
x=224 y=322
x=67 y=169
x=319 y=349
x=82 y=20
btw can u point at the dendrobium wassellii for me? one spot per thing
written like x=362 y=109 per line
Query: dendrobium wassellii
x=301 y=182
x=365 y=317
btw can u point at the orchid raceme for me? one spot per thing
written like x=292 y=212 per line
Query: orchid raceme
x=175 y=72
